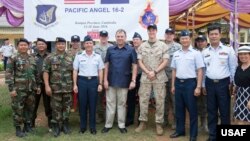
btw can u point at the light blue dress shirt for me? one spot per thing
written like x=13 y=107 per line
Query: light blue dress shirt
x=186 y=63
x=220 y=62
x=88 y=65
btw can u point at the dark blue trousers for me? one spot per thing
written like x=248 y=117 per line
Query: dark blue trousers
x=131 y=101
x=185 y=99
x=5 y=62
x=218 y=98
x=87 y=97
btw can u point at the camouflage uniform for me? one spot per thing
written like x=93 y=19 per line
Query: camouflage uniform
x=60 y=68
x=101 y=50
x=152 y=57
x=170 y=100
x=73 y=52
x=21 y=76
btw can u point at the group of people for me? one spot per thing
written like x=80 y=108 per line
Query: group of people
x=180 y=76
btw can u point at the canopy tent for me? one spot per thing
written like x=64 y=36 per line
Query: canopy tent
x=208 y=11
x=13 y=10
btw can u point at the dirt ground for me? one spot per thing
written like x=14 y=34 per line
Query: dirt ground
x=41 y=121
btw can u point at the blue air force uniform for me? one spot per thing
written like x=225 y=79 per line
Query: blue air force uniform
x=186 y=64
x=220 y=65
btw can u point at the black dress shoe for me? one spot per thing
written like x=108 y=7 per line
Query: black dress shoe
x=123 y=130
x=105 y=130
x=129 y=123
x=210 y=139
x=93 y=131
x=192 y=139
x=176 y=135
x=82 y=131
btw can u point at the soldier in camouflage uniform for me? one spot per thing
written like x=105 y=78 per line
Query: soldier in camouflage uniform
x=170 y=100
x=39 y=56
x=152 y=59
x=201 y=42
x=57 y=75
x=21 y=76
x=75 y=47
x=101 y=49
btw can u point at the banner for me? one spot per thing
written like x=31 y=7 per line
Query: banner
x=49 y=19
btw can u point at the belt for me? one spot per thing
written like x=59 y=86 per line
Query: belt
x=185 y=80
x=218 y=80
x=88 y=77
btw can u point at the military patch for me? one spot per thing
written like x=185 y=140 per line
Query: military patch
x=223 y=53
x=207 y=55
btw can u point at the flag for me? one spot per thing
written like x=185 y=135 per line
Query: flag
x=79 y=1
x=114 y=1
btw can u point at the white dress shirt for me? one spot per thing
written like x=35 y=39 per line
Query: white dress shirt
x=88 y=65
x=7 y=50
x=220 y=62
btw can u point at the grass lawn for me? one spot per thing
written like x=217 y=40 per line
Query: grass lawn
x=7 y=132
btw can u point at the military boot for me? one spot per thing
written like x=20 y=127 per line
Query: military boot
x=159 y=129
x=56 y=129
x=27 y=128
x=65 y=127
x=173 y=126
x=203 y=125
x=141 y=127
x=49 y=124
x=19 y=132
x=33 y=123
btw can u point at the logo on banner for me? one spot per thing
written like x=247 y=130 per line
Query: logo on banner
x=148 y=17
x=114 y=1
x=46 y=14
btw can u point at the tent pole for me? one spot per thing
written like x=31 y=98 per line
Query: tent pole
x=193 y=25
x=236 y=30
x=187 y=23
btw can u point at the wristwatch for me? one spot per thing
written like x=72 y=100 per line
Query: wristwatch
x=133 y=81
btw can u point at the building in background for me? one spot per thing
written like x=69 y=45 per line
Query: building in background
x=8 y=31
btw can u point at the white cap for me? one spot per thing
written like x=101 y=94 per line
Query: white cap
x=244 y=49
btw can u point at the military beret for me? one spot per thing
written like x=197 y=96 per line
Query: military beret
x=201 y=38
x=244 y=49
x=22 y=40
x=60 y=39
x=87 y=38
x=185 y=33
x=169 y=30
x=41 y=39
x=75 y=38
x=153 y=26
x=103 y=33
x=137 y=35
